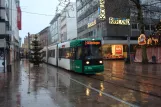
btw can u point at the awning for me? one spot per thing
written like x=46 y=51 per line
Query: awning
x=119 y=42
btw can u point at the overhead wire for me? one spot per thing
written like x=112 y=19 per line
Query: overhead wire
x=32 y=12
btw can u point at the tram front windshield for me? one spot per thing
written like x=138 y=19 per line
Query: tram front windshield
x=92 y=52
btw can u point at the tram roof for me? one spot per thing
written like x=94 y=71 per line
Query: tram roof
x=84 y=39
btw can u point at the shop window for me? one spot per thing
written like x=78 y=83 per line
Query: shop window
x=113 y=51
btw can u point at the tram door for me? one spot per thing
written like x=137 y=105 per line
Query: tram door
x=73 y=54
x=57 y=55
x=78 y=60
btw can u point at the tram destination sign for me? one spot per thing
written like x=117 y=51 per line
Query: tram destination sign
x=92 y=43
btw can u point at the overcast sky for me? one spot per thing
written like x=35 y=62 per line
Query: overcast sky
x=34 y=23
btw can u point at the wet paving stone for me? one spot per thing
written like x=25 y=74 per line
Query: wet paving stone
x=48 y=86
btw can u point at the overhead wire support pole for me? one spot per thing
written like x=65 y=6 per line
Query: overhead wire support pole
x=4 y=55
x=29 y=53
x=29 y=62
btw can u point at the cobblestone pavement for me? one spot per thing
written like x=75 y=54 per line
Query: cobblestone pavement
x=47 y=86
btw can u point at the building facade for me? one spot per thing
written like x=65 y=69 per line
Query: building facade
x=68 y=26
x=9 y=27
x=27 y=44
x=4 y=36
x=63 y=26
x=111 y=21
x=87 y=19
x=43 y=35
x=54 y=30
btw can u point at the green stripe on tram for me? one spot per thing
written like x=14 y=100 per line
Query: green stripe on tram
x=94 y=68
x=76 y=66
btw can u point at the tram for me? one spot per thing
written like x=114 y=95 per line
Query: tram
x=82 y=56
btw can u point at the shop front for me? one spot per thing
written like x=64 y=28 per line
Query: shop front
x=118 y=51
x=114 y=51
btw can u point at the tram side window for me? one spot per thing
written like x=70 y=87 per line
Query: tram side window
x=60 y=53
x=65 y=53
x=79 y=53
x=72 y=53
x=52 y=53
x=49 y=53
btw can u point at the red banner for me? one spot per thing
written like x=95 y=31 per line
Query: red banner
x=118 y=49
x=19 y=18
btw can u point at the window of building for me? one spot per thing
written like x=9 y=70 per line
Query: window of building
x=87 y=6
x=152 y=27
x=134 y=26
x=147 y=27
x=78 y=13
x=94 y=32
x=97 y=26
x=78 y=3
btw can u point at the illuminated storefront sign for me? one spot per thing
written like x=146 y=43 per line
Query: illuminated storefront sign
x=119 y=21
x=102 y=14
x=118 y=49
x=92 y=24
x=92 y=43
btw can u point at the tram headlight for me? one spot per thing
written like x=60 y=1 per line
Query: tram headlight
x=87 y=62
x=100 y=62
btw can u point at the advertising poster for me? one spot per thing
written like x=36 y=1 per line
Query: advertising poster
x=118 y=49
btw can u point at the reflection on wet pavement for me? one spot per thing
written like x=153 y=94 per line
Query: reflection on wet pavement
x=48 y=86
x=45 y=86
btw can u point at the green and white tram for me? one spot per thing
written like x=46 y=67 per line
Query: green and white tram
x=82 y=56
